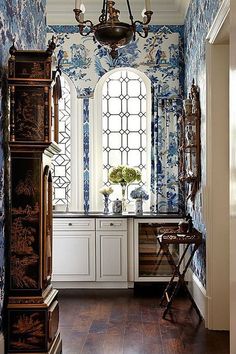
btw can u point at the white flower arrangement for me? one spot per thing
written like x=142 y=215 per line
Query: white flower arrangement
x=106 y=191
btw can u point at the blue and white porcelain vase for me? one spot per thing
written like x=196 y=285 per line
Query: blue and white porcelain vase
x=106 y=204
x=139 y=206
x=117 y=207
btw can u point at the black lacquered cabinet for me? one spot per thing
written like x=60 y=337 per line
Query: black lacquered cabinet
x=32 y=305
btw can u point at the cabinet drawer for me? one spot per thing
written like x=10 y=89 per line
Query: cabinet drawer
x=111 y=224
x=73 y=224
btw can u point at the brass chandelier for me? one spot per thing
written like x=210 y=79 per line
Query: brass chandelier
x=110 y=31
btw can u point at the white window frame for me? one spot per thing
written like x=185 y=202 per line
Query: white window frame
x=96 y=161
x=77 y=166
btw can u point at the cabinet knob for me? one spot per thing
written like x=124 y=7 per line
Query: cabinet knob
x=111 y=224
x=70 y=224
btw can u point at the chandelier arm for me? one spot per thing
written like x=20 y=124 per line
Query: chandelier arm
x=83 y=24
x=148 y=15
x=143 y=34
x=77 y=14
x=139 y=23
x=130 y=13
x=87 y=24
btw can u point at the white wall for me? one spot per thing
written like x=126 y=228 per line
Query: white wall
x=233 y=176
x=217 y=186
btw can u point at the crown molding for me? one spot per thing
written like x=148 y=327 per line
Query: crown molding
x=67 y=18
x=218 y=21
x=182 y=6
x=173 y=12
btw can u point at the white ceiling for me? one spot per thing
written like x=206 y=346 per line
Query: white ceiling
x=165 y=11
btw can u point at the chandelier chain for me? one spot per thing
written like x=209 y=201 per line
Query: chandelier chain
x=130 y=13
x=102 y=17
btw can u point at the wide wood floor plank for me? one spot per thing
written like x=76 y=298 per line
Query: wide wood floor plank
x=127 y=322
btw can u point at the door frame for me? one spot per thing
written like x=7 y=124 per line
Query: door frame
x=216 y=196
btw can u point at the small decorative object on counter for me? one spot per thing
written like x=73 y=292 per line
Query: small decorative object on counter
x=139 y=206
x=106 y=204
x=106 y=191
x=139 y=195
x=117 y=207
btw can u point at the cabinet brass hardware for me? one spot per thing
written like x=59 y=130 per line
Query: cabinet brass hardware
x=111 y=224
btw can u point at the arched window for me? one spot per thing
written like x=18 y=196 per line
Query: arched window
x=62 y=161
x=121 y=129
x=67 y=167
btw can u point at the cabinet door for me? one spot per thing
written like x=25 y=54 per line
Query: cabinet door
x=74 y=256
x=111 y=255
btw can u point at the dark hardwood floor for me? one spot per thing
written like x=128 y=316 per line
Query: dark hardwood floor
x=130 y=322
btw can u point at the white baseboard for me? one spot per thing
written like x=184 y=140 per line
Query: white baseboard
x=198 y=293
x=1 y=344
x=90 y=285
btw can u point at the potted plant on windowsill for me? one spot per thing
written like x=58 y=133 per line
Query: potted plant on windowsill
x=124 y=175
x=139 y=194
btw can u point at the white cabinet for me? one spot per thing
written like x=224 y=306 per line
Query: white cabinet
x=108 y=252
x=74 y=250
x=90 y=250
x=111 y=250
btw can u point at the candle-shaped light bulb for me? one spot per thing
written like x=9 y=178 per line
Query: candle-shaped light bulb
x=82 y=8
x=144 y=16
x=148 y=5
x=81 y=16
x=77 y=4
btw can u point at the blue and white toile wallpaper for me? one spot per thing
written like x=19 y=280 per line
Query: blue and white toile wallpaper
x=26 y=22
x=160 y=57
x=200 y=16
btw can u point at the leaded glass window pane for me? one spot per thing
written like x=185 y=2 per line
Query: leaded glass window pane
x=62 y=161
x=124 y=124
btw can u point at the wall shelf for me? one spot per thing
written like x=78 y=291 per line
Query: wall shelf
x=190 y=144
